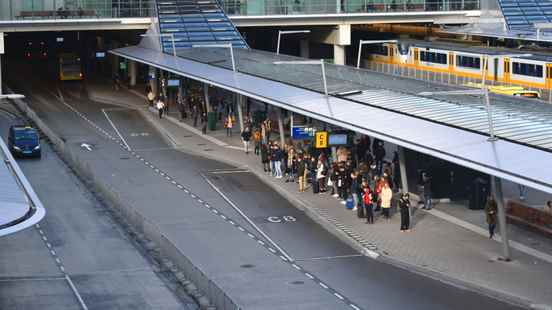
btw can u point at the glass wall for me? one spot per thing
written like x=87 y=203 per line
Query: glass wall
x=74 y=9
x=286 y=7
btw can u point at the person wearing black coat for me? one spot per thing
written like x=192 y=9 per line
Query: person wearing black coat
x=379 y=153
x=404 y=205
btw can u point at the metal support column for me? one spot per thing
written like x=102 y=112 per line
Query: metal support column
x=206 y=95
x=281 y=127
x=402 y=167
x=239 y=103
x=132 y=71
x=496 y=183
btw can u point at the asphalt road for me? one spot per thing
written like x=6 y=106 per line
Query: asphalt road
x=338 y=272
x=77 y=243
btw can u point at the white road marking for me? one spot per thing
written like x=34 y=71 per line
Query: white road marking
x=338 y=296
x=323 y=285
x=296 y=267
x=354 y=307
x=309 y=276
x=244 y=216
x=116 y=130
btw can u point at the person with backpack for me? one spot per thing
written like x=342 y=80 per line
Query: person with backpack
x=246 y=137
x=367 y=205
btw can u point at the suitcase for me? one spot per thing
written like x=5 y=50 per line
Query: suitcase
x=349 y=204
x=360 y=212
x=315 y=188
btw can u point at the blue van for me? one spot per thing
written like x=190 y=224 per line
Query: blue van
x=24 y=141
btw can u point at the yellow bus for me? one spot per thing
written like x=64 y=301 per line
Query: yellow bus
x=70 y=68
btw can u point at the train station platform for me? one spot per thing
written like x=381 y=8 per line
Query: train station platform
x=448 y=243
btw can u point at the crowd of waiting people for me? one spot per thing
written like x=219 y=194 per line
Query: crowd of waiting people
x=357 y=176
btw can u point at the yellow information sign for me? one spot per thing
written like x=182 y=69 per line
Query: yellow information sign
x=321 y=139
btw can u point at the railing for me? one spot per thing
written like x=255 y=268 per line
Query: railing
x=444 y=77
x=291 y=7
x=75 y=9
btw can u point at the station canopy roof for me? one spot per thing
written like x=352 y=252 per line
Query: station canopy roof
x=384 y=106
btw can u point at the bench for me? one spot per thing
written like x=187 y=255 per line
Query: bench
x=523 y=215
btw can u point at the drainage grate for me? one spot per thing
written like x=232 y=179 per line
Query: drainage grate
x=201 y=144
x=247 y=266
x=208 y=150
x=297 y=282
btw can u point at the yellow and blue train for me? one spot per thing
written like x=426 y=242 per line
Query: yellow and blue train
x=531 y=69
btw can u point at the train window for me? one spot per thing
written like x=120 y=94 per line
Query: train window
x=468 y=62
x=379 y=50
x=433 y=57
x=527 y=69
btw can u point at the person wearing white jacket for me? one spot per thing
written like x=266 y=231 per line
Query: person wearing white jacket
x=386 y=196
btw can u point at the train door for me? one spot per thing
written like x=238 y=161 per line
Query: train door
x=391 y=53
x=416 y=56
x=506 y=70
x=549 y=76
x=451 y=62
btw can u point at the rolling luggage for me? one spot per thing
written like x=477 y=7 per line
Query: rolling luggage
x=350 y=204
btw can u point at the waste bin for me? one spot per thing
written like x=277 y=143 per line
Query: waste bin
x=212 y=120
x=479 y=191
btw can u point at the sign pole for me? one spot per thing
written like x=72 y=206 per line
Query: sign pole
x=1 y=53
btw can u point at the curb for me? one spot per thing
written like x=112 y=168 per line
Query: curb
x=341 y=235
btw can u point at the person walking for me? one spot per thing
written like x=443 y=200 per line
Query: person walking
x=368 y=205
x=246 y=137
x=386 y=196
x=160 y=107
x=379 y=153
x=491 y=209
x=426 y=179
x=228 y=124
x=378 y=187
x=404 y=205
x=355 y=192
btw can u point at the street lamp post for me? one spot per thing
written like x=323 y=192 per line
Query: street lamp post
x=363 y=42
x=281 y=32
x=170 y=35
x=308 y=62
x=485 y=89
x=225 y=45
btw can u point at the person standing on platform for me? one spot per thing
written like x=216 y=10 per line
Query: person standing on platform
x=321 y=176
x=264 y=158
x=368 y=205
x=301 y=173
x=491 y=209
x=404 y=205
x=160 y=107
x=386 y=196
x=246 y=137
x=228 y=124
x=257 y=140
x=426 y=179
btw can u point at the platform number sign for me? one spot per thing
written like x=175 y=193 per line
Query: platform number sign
x=1 y=43
x=321 y=139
